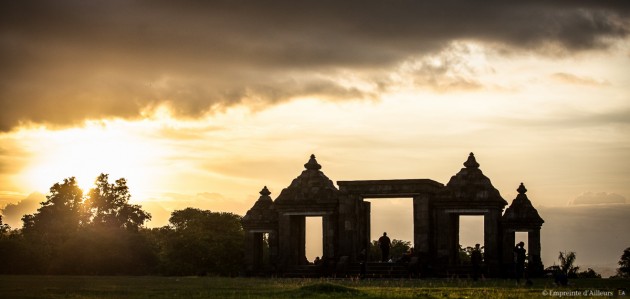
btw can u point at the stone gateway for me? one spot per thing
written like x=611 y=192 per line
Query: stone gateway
x=275 y=229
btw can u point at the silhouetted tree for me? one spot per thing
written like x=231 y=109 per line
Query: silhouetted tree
x=624 y=264
x=199 y=242
x=60 y=215
x=566 y=264
x=589 y=273
x=4 y=229
x=7 y=248
x=98 y=250
x=109 y=205
x=100 y=236
x=113 y=243
x=104 y=235
x=17 y=256
x=54 y=223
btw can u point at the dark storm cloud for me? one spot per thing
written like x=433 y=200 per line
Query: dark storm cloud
x=64 y=61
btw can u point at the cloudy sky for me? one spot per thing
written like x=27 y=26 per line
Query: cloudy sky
x=201 y=103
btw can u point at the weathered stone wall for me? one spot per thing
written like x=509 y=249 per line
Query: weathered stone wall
x=346 y=219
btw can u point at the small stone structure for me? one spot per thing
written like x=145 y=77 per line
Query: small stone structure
x=346 y=220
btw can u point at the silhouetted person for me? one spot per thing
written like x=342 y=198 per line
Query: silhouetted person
x=316 y=261
x=384 y=243
x=475 y=258
x=519 y=254
x=406 y=257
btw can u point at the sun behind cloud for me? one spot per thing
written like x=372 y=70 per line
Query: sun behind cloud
x=85 y=152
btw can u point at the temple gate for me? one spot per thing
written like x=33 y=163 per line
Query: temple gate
x=346 y=221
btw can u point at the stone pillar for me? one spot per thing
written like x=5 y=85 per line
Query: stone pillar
x=273 y=251
x=491 y=241
x=535 y=265
x=421 y=224
x=249 y=253
x=533 y=240
x=345 y=246
x=362 y=232
x=284 y=241
x=297 y=239
x=257 y=250
x=442 y=230
x=453 y=235
x=349 y=226
x=328 y=229
x=367 y=227
x=508 y=243
x=507 y=252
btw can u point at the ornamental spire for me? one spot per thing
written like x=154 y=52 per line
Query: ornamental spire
x=521 y=189
x=265 y=191
x=312 y=164
x=471 y=162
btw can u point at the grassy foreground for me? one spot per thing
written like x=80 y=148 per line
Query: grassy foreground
x=215 y=287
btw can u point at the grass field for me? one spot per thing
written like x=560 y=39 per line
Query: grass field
x=215 y=287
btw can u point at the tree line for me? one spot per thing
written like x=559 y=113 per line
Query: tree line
x=101 y=233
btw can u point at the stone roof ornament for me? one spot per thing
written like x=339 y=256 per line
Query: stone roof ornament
x=264 y=198
x=471 y=162
x=262 y=215
x=311 y=186
x=312 y=164
x=470 y=184
x=521 y=189
x=521 y=212
x=265 y=191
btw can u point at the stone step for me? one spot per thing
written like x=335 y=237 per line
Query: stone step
x=373 y=270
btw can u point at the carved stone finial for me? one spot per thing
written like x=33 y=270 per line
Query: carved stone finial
x=521 y=189
x=471 y=162
x=265 y=191
x=312 y=164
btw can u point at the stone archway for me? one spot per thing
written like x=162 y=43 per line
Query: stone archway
x=353 y=194
x=346 y=219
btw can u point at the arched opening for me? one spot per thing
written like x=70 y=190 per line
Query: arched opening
x=261 y=251
x=394 y=216
x=471 y=232
x=314 y=241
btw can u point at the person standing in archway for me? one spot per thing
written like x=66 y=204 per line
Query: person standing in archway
x=384 y=243
x=476 y=258
x=520 y=256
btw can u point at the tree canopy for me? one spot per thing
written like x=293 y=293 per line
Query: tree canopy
x=199 y=242
x=74 y=234
x=101 y=233
x=60 y=215
x=624 y=264
x=398 y=247
x=4 y=228
x=109 y=205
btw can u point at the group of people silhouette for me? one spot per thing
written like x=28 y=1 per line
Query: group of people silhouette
x=476 y=257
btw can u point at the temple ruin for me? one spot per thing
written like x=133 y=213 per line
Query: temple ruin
x=275 y=229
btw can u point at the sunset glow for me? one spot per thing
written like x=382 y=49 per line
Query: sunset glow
x=204 y=109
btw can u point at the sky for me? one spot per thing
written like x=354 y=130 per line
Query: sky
x=202 y=103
